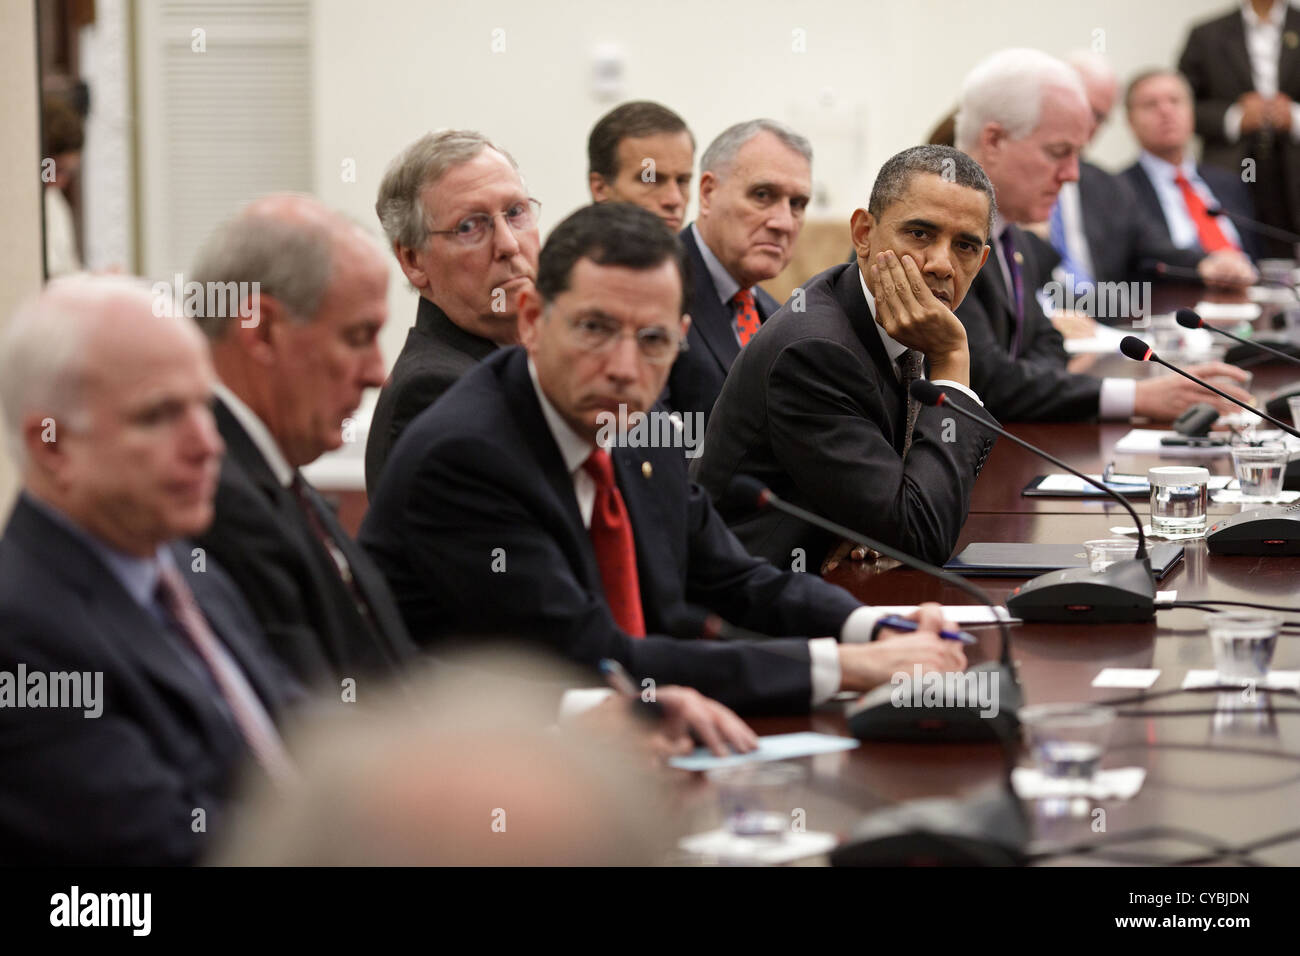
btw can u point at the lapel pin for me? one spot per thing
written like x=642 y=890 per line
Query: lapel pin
x=647 y=469
x=1020 y=259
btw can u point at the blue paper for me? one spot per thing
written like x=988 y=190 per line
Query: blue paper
x=771 y=747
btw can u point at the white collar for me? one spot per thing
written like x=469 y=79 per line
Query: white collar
x=1155 y=166
x=893 y=348
x=724 y=283
x=1276 y=15
x=574 y=448
x=262 y=438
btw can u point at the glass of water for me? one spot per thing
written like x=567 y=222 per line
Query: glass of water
x=1260 y=469
x=1103 y=552
x=1243 y=643
x=759 y=799
x=1179 y=499
x=1068 y=740
x=1293 y=403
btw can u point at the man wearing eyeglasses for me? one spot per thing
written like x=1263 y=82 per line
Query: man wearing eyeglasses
x=503 y=513
x=464 y=230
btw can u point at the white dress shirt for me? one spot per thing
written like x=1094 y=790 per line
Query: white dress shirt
x=1182 y=229
x=1118 y=395
x=1264 y=47
x=575 y=449
x=261 y=436
x=1076 y=240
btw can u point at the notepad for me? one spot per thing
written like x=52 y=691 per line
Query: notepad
x=771 y=747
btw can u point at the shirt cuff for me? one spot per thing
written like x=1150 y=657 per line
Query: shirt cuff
x=1118 y=396
x=961 y=388
x=582 y=699
x=1232 y=123
x=859 y=625
x=824 y=653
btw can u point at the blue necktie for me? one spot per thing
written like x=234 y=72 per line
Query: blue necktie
x=1071 y=266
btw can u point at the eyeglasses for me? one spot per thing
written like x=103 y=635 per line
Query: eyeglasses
x=657 y=345
x=473 y=230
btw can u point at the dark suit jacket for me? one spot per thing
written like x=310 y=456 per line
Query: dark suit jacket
x=1123 y=238
x=813 y=409
x=1035 y=385
x=477 y=527
x=437 y=353
x=699 y=372
x=120 y=788
x=1217 y=64
x=262 y=536
x=1228 y=189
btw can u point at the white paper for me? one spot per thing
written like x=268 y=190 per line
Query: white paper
x=1105 y=341
x=957 y=613
x=1121 y=784
x=771 y=747
x=758 y=850
x=1166 y=597
x=1233 y=496
x=1119 y=483
x=1277 y=680
x=1133 y=677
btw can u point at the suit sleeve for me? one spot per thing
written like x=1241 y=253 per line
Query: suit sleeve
x=824 y=418
x=1196 y=65
x=1036 y=386
x=495 y=569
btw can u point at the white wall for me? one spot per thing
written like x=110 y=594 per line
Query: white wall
x=875 y=77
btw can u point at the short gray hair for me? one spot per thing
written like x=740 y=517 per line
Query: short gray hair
x=422 y=164
x=290 y=259
x=951 y=164
x=1007 y=88
x=722 y=151
x=44 y=359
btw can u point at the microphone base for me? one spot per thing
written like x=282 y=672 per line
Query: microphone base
x=1124 y=592
x=978 y=705
x=1261 y=531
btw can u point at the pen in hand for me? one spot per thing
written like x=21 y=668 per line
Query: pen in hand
x=903 y=624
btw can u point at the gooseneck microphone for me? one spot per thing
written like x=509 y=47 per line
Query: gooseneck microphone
x=1125 y=591
x=878 y=716
x=1190 y=319
x=1134 y=348
x=1254 y=225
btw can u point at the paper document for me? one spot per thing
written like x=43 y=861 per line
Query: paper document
x=957 y=613
x=771 y=747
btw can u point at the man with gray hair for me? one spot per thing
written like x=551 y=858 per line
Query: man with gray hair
x=1024 y=117
x=755 y=182
x=463 y=228
x=294 y=361
x=107 y=405
x=817 y=405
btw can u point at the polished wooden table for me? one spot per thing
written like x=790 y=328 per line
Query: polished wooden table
x=1233 y=774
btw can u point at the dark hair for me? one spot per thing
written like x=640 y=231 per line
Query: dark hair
x=951 y=164
x=61 y=127
x=1151 y=74
x=638 y=118
x=609 y=234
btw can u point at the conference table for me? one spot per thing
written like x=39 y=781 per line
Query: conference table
x=1231 y=772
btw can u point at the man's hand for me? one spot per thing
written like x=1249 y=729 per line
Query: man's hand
x=1074 y=325
x=1227 y=269
x=864 y=666
x=913 y=316
x=1166 y=397
x=687 y=712
x=1279 y=112
x=1254 y=112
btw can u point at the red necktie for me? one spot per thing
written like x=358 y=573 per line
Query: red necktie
x=1207 y=227
x=611 y=538
x=746 y=315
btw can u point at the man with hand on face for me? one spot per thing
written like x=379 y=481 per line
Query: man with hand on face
x=1024 y=117
x=508 y=508
x=817 y=406
x=463 y=228
x=290 y=374
x=642 y=153
x=755 y=181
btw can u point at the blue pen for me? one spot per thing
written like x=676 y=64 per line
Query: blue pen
x=903 y=624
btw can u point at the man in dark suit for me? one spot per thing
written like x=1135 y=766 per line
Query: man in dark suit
x=107 y=409
x=1018 y=358
x=290 y=375
x=643 y=153
x=817 y=405
x=1171 y=190
x=1244 y=71
x=518 y=506
x=464 y=230
x=755 y=181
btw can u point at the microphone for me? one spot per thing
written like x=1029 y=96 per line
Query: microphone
x=1270 y=530
x=1134 y=348
x=879 y=715
x=1254 y=225
x=1189 y=319
x=1125 y=591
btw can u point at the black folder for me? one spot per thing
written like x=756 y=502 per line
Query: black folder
x=1019 y=560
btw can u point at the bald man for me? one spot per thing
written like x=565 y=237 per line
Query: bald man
x=294 y=359
x=144 y=680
